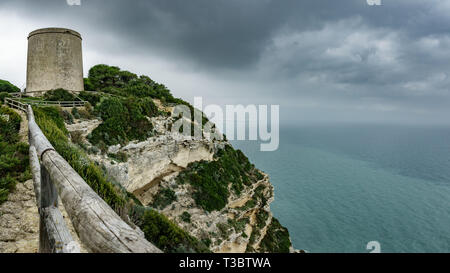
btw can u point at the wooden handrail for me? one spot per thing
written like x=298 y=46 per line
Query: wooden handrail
x=98 y=226
x=100 y=229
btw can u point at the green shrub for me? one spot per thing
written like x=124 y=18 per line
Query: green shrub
x=90 y=97
x=250 y=204
x=276 y=239
x=186 y=217
x=110 y=132
x=4 y=95
x=76 y=137
x=85 y=113
x=120 y=156
x=3 y=195
x=261 y=218
x=52 y=114
x=88 y=86
x=75 y=113
x=164 y=233
x=148 y=107
x=59 y=95
x=239 y=225
x=6 y=86
x=68 y=118
x=110 y=79
x=164 y=198
x=211 y=179
x=259 y=195
x=101 y=76
x=14 y=161
x=9 y=127
x=124 y=120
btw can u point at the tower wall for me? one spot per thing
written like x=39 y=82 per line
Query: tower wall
x=55 y=61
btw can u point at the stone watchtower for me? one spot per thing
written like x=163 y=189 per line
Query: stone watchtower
x=55 y=61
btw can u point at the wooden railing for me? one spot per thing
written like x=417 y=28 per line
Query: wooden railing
x=13 y=103
x=16 y=95
x=53 y=103
x=99 y=228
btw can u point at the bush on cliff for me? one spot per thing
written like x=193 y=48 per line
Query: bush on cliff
x=211 y=179
x=113 y=80
x=164 y=233
x=123 y=120
x=276 y=239
x=133 y=92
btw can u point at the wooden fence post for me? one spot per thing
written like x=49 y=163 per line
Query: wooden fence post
x=49 y=198
x=54 y=237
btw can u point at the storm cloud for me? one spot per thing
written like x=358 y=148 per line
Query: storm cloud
x=320 y=60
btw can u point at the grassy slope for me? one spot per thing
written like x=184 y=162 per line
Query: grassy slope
x=14 y=165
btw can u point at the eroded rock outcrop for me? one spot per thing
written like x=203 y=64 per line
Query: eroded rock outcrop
x=150 y=169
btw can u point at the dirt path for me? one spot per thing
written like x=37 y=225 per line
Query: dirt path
x=19 y=221
x=23 y=132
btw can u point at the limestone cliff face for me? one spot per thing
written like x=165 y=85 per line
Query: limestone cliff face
x=153 y=166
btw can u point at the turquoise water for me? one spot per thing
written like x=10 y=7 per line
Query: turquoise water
x=339 y=187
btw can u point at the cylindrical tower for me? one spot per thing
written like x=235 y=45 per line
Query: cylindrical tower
x=55 y=61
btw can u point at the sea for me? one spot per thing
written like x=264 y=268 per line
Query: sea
x=340 y=187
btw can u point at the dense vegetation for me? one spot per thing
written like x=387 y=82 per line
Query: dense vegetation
x=112 y=80
x=124 y=119
x=124 y=102
x=14 y=166
x=165 y=234
x=3 y=95
x=8 y=87
x=157 y=228
x=211 y=179
x=164 y=198
x=59 y=95
x=276 y=240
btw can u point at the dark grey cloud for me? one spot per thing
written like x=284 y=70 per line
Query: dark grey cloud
x=337 y=54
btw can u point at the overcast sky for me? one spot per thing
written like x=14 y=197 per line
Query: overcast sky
x=320 y=60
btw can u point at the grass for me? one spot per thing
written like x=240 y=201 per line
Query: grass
x=14 y=162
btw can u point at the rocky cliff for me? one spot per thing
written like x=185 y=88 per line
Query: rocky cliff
x=155 y=172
